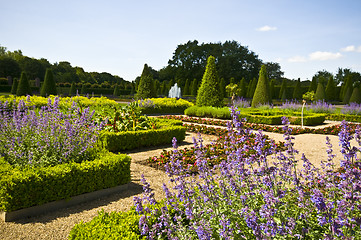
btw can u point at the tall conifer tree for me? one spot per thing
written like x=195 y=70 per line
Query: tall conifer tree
x=208 y=93
x=49 y=86
x=23 y=86
x=146 y=85
x=261 y=94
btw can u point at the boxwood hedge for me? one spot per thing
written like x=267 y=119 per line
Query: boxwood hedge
x=253 y=115
x=26 y=187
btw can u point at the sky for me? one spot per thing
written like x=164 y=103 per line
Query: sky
x=119 y=37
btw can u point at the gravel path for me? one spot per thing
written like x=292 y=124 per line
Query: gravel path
x=57 y=225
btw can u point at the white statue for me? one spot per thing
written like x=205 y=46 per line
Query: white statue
x=175 y=91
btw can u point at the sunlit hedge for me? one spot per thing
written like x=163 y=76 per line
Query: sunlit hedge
x=163 y=105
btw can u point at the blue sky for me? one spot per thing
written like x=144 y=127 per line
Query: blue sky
x=120 y=36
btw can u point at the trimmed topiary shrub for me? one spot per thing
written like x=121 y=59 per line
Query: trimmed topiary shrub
x=313 y=85
x=14 y=87
x=208 y=93
x=283 y=88
x=116 y=91
x=347 y=96
x=356 y=96
x=72 y=91
x=320 y=93
x=23 y=86
x=49 y=87
x=261 y=95
x=297 y=91
x=146 y=85
x=330 y=90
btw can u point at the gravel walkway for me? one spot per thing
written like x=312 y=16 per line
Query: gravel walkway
x=57 y=225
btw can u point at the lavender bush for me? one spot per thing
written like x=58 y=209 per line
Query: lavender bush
x=267 y=195
x=321 y=107
x=293 y=106
x=352 y=108
x=242 y=103
x=47 y=136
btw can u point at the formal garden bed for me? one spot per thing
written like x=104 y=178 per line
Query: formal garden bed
x=254 y=199
x=52 y=149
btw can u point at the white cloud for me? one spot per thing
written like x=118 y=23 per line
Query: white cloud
x=266 y=28
x=351 y=48
x=322 y=56
x=297 y=59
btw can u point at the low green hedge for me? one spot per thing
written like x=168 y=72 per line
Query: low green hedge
x=213 y=112
x=163 y=105
x=22 y=188
x=271 y=117
x=347 y=117
x=128 y=140
x=114 y=225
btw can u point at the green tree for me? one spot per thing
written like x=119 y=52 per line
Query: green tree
x=222 y=87
x=84 y=89
x=320 y=92
x=146 y=85
x=9 y=67
x=14 y=87
x=194 y=87
x=208 y=93
x=313 y=85
x=345 y=86
x=157 y=87
x=297 y=91
x=283 y=88
x=251 y=88
x=243 y=88
x=356 y=96
x=116 y=91
x=72 y=91
x=272 y=88
x=23 y=86
x=330 y=89
x=186 y=88
x=261 y=94
x=49 y=86
x=347 y=96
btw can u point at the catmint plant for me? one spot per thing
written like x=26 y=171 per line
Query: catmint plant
x=269 y=194
x=46 y=137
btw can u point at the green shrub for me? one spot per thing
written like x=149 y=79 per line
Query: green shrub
x=114 y=225
x=209 y=93
x=72 y=91
x=22 y=188
x=213 y=112
x=297 y=91
x=347 y=117
x=356 y=96
x=23 y=86
x=128 y=140
x=320 y=92
x=330 y=90
x=261 y=94
x=163 y=105
x=49 y=87
x=146 y=85
x=14 y=87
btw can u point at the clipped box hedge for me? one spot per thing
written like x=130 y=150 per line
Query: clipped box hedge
x=114 y=225
x=22 y=188
x=270 y=117
x=163 y=105
x=128 y=140
x=212 y=112
x=347 y=117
